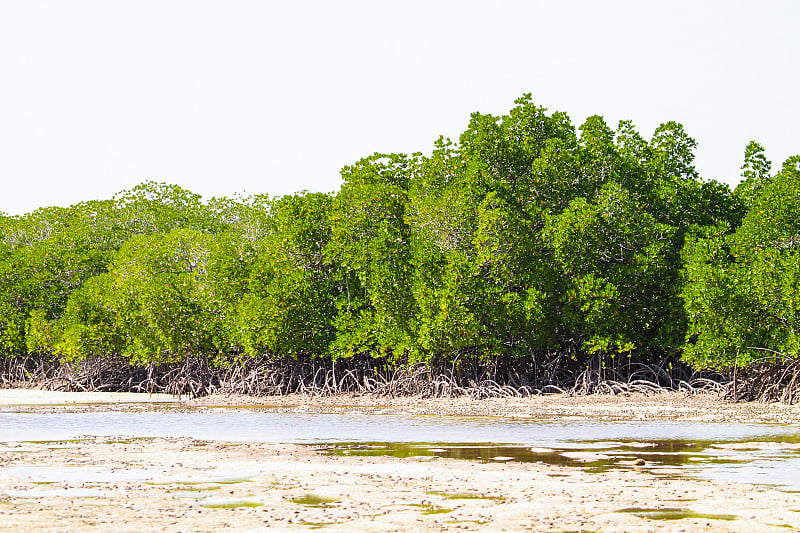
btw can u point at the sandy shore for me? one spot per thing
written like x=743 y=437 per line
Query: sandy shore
x=43 y=397
x=102 y=484
x=663 y=406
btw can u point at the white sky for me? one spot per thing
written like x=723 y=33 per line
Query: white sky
x=258 y=96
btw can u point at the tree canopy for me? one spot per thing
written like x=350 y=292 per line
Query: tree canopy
x=525 y=240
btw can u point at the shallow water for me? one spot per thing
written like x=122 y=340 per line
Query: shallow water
x=761 y=462
x=291 y=427
x=697 y=449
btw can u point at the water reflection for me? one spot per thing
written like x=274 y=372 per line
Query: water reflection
x=757 y=461
x=756 y=453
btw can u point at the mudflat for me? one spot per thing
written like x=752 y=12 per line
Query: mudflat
x=181 y=484
x=661 y=406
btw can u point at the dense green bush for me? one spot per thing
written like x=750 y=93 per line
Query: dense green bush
x=525 y=240
x=742 y=292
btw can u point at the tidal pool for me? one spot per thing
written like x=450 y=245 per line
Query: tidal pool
x=761 y=462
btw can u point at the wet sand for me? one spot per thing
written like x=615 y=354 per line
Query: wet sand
x=663 y=406
x=187 y=485
x=102 y=484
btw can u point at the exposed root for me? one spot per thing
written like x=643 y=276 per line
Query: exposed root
x=772 y=379
x=194 y=377
x=269 y=376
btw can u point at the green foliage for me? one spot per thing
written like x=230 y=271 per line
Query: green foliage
x=524 y=239
x=615 y=258
x=370 y=245
x=89 y=326
x=529 y=240
x=742 y=295
x=160 y=207
x=158 y=290
x=288 y=304
x=755 y=174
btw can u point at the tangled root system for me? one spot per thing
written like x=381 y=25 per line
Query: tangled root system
x=773 y=379
x=269 y=376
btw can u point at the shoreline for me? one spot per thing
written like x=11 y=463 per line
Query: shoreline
x=704 y=407
x=630 y=407
x=31 y=397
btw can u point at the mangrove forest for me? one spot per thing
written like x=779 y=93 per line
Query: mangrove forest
x=528 y=256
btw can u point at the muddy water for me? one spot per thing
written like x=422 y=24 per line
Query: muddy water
x=751 y=453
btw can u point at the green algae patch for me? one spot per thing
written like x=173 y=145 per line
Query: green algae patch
x=312 y=500
x=233 y=481
x=437 y=510
x=132 y=440
x=598 y=469
x=317 y=525
x=673 y=513
x=233 y=504
x=59 y=441
x=465 y=496
x=431 y=509
x=194 y=489
x=195 y=483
